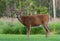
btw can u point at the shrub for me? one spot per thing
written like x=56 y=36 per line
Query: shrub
x=38 y=30
x=14 y=29
x=42 y=10
x=18 y=28
x=55 y=27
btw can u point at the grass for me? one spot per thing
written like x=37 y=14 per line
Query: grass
x=10 y=37
x=14 y=37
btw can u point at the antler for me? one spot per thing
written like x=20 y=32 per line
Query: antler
x=19 y=14
x=20 y=11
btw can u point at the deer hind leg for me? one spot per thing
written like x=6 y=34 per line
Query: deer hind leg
x=47 y=29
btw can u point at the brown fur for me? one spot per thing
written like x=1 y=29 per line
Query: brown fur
x=35 y=20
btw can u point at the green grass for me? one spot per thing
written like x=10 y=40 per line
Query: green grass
x=15 y=26
x=8 y=37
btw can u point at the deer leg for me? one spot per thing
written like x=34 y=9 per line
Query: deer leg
x=47 y=29
x=28 y=31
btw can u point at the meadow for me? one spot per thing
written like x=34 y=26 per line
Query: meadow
x=13 y=30
x=9 y=37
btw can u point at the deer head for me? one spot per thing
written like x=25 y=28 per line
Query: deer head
x=20 y=12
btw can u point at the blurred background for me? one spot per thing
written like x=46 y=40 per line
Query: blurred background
x=9 y=24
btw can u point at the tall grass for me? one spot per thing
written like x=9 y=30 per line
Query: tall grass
x=55 y=27
x=15 y=27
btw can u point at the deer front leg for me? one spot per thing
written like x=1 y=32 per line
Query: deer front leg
x=28 y=31
x=47 y=29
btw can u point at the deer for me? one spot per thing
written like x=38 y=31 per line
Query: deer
x=34 y=20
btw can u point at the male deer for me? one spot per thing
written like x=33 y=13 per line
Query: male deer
x=34 y=20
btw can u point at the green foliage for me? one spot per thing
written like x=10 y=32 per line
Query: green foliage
x=10 y=7
x=12 y=28
x=55 y=27
x=18 y=28
x=2 y=7
x=42 y=10
x=37 y=30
